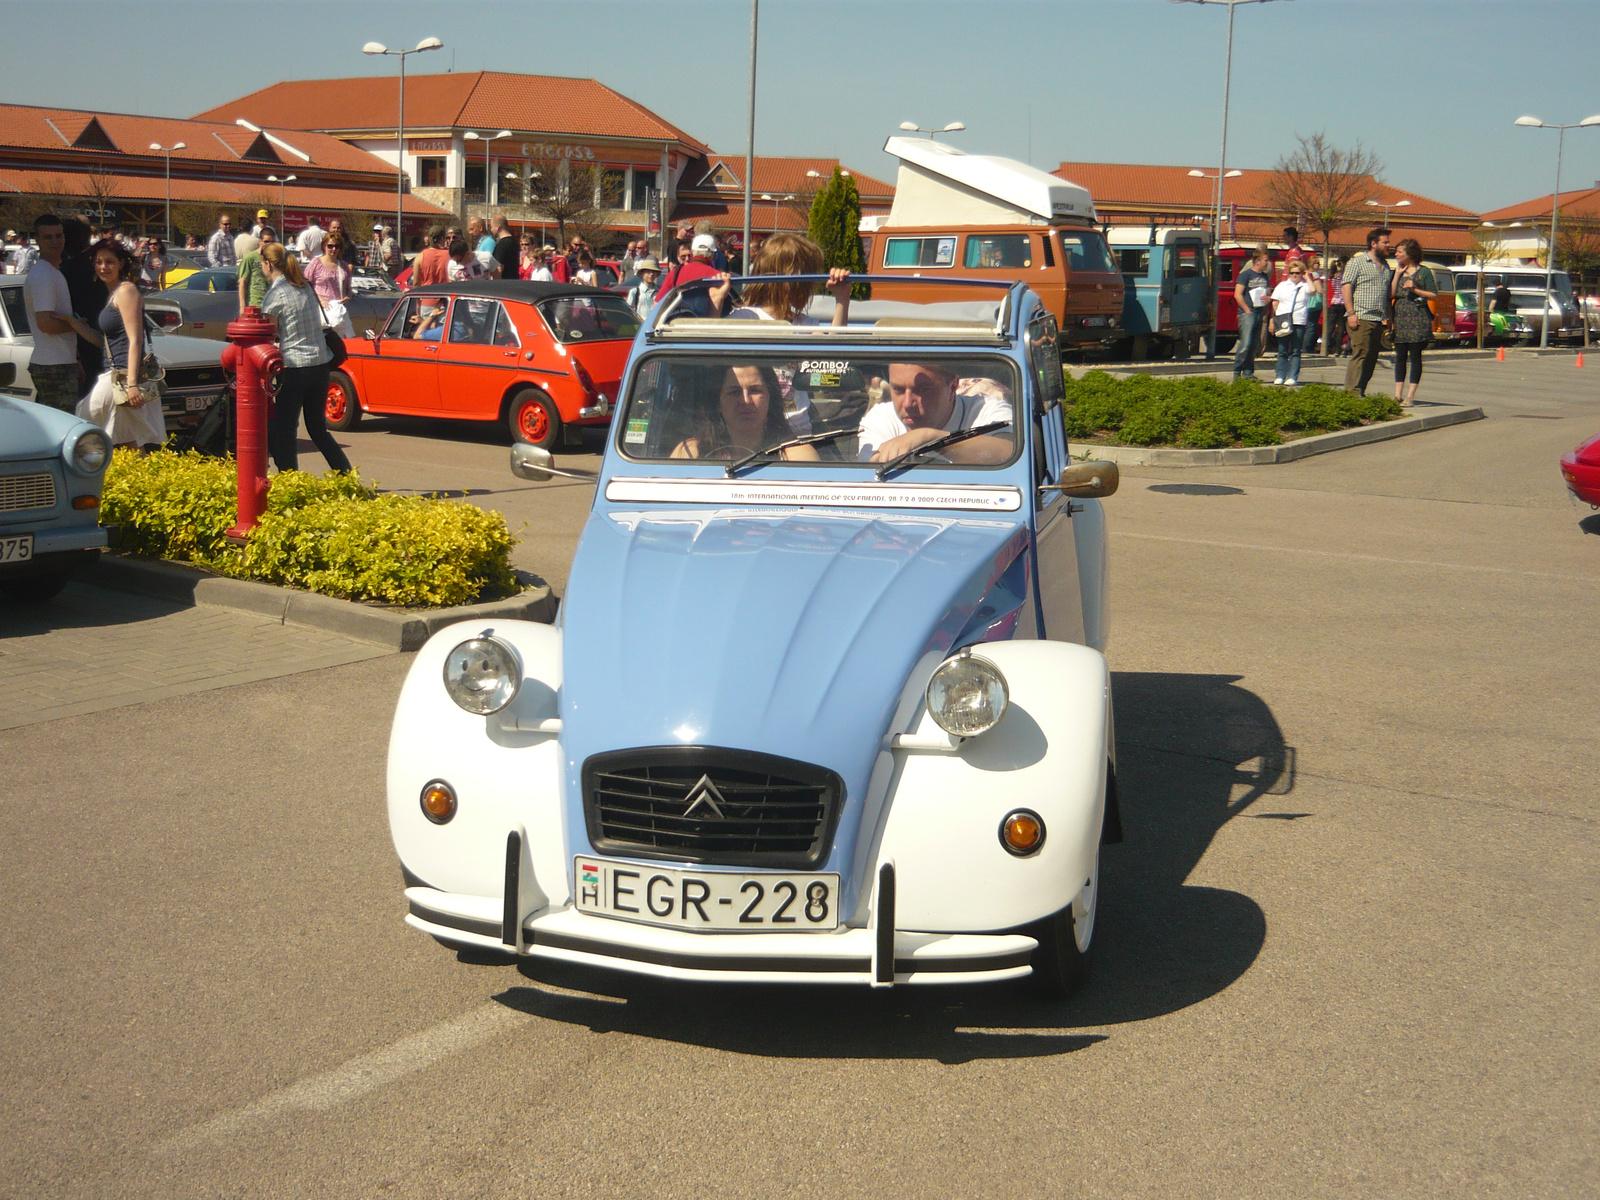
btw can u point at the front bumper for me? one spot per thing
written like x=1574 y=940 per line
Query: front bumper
x=845 y=956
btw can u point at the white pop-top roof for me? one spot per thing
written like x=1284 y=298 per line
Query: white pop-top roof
x=940 y=185
x=1139 y=235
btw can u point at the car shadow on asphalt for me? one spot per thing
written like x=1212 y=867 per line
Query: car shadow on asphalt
x=1193 y=752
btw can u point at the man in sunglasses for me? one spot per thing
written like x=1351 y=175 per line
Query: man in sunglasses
x=219 y=249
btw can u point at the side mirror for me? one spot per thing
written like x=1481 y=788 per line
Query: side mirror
x=372 y=335
x=530 y=462
x=1097 y=478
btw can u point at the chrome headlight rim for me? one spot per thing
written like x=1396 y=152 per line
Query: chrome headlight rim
x=93 y=436
x=510 y=674
x=965 y=659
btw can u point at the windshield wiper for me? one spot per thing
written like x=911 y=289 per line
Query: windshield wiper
x=948 y=439
x=814 y=439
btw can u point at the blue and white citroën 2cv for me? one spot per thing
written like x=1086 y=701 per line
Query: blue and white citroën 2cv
x=826 y=700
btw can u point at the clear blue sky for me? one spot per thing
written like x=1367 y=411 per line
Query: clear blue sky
x=1432 y=85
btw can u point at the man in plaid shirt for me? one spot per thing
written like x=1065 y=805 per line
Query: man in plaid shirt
x=1365 y=289
x=219 y=248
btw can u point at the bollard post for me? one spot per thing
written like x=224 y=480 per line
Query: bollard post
x=254 y=360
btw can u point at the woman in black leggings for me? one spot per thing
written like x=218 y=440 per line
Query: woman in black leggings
x=303 y=383
x=1410 y=289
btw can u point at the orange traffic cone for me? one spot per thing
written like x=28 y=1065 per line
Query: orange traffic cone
x=1580 y=358
x=1500 y=354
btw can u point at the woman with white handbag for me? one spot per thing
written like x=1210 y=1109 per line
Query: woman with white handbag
x=330 y=275
x=1289 y=314
x=126 y=400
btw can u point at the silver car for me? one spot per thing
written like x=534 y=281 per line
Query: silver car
x=193 y=366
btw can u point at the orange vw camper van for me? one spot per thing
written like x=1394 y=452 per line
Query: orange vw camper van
x=971 y=216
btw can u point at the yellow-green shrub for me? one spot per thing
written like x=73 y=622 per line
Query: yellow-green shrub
x=332 y=534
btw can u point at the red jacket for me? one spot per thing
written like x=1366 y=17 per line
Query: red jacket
x=695 y=268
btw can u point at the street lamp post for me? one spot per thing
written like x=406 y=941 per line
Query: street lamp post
x=1386 y=207
x=750 y=140
x=167 y=150
x=488 y=140
x=1555 y=206
x=431 y=43
x=283 y=232
x=1222 y=161
x=913 y=127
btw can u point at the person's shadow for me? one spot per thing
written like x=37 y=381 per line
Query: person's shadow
x=1193 y=752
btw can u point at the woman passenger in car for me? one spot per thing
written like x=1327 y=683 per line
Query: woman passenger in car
x=745 y=415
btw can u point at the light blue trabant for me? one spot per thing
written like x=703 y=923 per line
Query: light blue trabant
x=51 y=467
x=826 y=701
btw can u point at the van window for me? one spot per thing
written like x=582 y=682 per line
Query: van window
x=1134 y=262
x=999 y=250
x=1225 y=270
x=919 y=252
x=1086 y=250
x=1189 y=263
x=1445 y=279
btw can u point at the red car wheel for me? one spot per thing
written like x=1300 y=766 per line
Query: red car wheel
x=533 y=419
x=342 y=410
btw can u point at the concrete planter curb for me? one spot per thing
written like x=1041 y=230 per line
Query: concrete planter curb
x=1223 y=365
x=398 y=629
x=1251 y=456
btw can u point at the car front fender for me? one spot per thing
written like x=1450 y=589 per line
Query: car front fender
x=505 y=770
x=1050 y=754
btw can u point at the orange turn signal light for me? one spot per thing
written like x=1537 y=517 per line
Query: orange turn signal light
x=82 y=502
x=438 y=801
x=1022 y=832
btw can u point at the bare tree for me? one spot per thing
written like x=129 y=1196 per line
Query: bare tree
x=1488 y=243
x=100 y=185
x=1323 y=187
x=569 y=193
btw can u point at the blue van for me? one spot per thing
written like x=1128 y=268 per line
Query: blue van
x=1166 y=288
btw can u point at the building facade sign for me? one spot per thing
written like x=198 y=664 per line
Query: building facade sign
x=429 y=145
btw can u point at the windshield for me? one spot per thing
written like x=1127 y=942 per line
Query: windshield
x=1086 y=250
x=726 y=407
x=590 y=318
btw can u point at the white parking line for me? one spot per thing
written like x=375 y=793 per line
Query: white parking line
x=1374 y=558
x=356 y=1077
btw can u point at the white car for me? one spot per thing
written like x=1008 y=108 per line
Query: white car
x=193 y=366
x=808 y=716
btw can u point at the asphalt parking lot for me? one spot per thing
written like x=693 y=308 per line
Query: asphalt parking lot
x=1348 y=948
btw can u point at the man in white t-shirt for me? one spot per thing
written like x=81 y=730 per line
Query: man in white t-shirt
x=926 y=401
x=309 y=244
x=53 y=364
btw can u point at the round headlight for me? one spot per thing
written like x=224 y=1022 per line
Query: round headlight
x=482 y=675
x=967 y=696
x=90 y=452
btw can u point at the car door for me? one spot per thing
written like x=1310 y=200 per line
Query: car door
x=1189 y=286
x=476 y=359
x=402 y=373
x=1055 y=544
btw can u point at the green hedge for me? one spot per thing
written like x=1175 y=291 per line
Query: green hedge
x=332 y=534
x=1202 y=412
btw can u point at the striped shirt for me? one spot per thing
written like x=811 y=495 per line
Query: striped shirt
x=219 y=249
x=299 y=318
x=1369 y=288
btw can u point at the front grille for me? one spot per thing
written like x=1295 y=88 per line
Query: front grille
x=196 y=378
x=18 y=493
x=748 y=809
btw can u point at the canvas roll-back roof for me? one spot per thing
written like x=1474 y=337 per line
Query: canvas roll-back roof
x=941 y=185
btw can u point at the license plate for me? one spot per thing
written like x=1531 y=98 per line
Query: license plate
x=17 y=548
x=765 y=902
x=196 y=403
x=1094 y=322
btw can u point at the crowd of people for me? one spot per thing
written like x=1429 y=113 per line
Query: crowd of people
x=1364 y=296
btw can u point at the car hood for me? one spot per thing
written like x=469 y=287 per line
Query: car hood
x=176 y=350
x=29 y=430
x=790 y=633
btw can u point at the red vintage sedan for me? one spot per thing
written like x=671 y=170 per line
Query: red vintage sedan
x=1581 y=469
x=545 y=358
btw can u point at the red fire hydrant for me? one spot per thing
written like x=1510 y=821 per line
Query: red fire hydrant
x=254 y=361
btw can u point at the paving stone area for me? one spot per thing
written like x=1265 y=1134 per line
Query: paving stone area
x=90 y=650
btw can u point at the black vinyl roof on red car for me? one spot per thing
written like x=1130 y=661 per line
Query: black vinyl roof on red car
x=530 y=291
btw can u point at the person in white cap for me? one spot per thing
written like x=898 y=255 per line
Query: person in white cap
x=382 y=254
x=701 y=264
